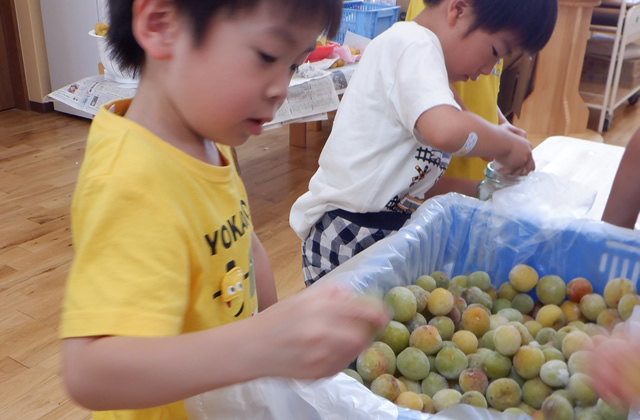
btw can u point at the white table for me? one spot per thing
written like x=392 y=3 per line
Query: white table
x=582 y=161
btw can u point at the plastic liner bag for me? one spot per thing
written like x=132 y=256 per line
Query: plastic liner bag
x=558 y=198
x=457 y=235
x=335 y=398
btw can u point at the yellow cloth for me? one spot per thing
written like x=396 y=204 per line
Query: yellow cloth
x=155 y=231
x=481 y=97
x=414 y=8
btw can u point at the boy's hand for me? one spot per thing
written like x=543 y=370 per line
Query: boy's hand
x=515 y=130
x=615 y=371
x=518 y=160
x=319 y=331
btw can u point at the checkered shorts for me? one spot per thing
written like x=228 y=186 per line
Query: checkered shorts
x=334 y=239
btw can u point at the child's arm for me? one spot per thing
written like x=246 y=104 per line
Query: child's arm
x=623 y=204
x=448 y=129
x=313 y=334
x=265 y=283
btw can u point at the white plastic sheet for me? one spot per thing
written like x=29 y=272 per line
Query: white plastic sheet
x=337 y=398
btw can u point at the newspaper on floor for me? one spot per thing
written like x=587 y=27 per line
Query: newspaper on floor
x=91 y=92
x=315 y=96
x=310 y=99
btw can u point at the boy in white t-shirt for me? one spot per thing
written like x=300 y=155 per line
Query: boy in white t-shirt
x=398 y=124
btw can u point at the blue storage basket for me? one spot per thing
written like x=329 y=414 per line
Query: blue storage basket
x=366 y=19
x=459 y=235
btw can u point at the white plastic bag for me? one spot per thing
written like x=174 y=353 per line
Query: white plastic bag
x=542 y=193
x=336 y=398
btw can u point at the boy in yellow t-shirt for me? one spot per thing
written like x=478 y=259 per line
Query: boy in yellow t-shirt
x=479 y=96
x=163 y=297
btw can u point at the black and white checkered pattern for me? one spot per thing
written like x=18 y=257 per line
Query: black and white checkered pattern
x=332 y=241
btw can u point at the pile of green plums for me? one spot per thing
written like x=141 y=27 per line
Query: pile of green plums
x=523 y=348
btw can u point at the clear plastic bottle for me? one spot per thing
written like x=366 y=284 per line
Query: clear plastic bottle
x=495 y=180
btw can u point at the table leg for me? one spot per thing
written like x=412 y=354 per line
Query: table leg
x=315 y=126
x=298 y=134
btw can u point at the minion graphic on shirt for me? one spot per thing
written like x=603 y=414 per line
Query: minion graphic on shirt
x=232 y=289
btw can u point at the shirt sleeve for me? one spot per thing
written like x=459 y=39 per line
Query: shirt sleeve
x=421 y=82
x=128 y=277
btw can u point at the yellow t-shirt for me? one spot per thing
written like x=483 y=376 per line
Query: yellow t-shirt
x=155 y=233
x=481 y=97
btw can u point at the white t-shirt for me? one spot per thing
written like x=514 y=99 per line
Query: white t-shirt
x=372 y=160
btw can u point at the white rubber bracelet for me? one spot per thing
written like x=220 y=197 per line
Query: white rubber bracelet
x=468 y=145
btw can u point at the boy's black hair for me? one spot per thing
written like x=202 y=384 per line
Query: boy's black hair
x=532 y=21
x=126 y=51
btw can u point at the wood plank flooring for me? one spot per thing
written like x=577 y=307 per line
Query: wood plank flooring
x=40 y=155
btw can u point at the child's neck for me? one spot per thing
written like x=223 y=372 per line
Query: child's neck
x=152 y=110
x=432 y=18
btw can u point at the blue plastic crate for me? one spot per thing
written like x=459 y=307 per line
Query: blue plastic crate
x=366 y=19
x=459 y=235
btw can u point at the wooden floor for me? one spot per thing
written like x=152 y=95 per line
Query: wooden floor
x=40 y=155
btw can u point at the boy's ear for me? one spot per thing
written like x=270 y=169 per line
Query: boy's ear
x=155 y=27
x=456 y=9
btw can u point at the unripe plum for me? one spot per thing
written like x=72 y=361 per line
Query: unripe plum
x=409 y=399
x=522 y=302
x=427 y=282
x=507 y=291
x=535 y=391
x=396 y=335
x=474 y=398
x=591 y=305
x=413 y=363
x=523 y=277
x=551 y=316
x=473 y=379
x=551 y=289
x=496 y=365
x=581 y=389
x=479 y=279
x=507 y=340
x=433 y=383
x=554 y=373
x=476 y=320
x=442 y=280
x=557 y=408
x=402 y=302
x=615 y=289
x=386 y=386
x=446 y=398
x=426 y=338
x=527 y=361
x=388 y=354
x=626 y=304
x=503 y=393
x=574 y=341
x=450 y=361
x=440 y=302
x=466 y=341
x=422 y=297
x=370 y=364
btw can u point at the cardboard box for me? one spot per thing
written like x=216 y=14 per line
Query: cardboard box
x=595 y=68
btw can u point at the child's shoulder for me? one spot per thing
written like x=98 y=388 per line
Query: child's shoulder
x=407 y=33
x=119 y=147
